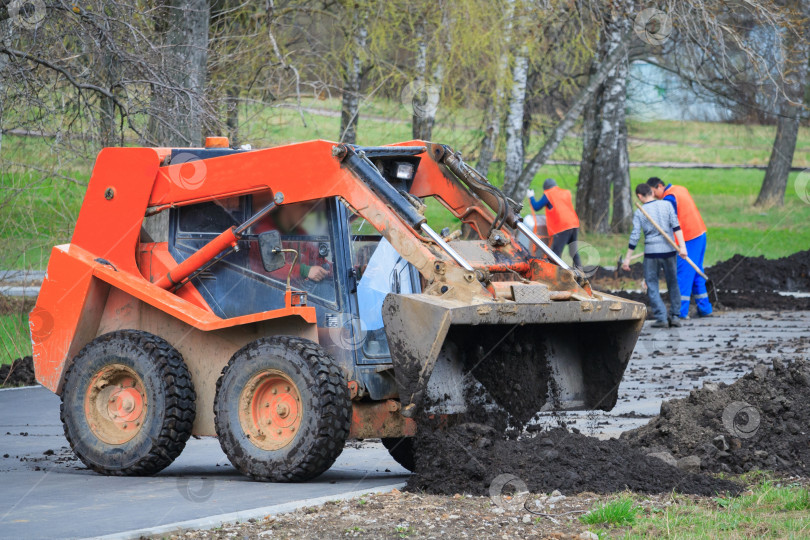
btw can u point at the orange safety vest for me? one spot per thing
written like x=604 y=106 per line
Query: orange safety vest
x=561 y=216
x=688 y=216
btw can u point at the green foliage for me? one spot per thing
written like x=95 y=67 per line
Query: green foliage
x=769 y=510
x=41 y=190
x=15 y=338
x=621 y=511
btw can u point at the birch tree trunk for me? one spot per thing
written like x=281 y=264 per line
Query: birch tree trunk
x=420 y=126
x=514 y=121
x=772 y=192
x=604 y=152
x=565 y=124
x=427 y=89
x=492 y=128
x=352 y=83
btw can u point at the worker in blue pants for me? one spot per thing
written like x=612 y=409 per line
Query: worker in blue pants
x=690 y=283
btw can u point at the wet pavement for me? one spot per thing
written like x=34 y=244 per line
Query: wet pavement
x=669 y=362
x=47 y=493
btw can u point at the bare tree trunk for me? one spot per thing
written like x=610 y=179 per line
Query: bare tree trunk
x=565 y=124
x=352 y=83
x=417 y=125
x=592 y=198
x=108 y=131
x=178 y=112
x=604 y=153
x=514 y=120
x=492 y=129
x=232 y=114
x=772 y=192
x=622 y=220
x=428 y=89
x=6 y=35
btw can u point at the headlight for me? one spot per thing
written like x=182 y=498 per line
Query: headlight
x=405 y=171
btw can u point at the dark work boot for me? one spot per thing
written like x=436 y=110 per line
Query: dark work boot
x=675 y=322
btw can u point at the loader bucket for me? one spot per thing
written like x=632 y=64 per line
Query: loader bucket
x=528 y=357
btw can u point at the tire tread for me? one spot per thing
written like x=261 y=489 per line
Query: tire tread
x=180 y=403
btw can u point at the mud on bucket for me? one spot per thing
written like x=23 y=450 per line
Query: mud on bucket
x=525 y=358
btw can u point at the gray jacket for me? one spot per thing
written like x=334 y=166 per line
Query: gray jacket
x=654 y=244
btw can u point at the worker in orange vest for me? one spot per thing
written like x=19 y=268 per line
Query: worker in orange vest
x=562 y=221
x=690 y=283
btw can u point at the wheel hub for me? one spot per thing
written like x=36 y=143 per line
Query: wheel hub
x=270 y=410
x=115 y=404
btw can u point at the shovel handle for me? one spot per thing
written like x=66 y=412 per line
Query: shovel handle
x=672 y=242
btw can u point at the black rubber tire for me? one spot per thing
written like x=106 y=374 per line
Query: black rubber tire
x=169 y=414
x=326 y=405
x=402 y=450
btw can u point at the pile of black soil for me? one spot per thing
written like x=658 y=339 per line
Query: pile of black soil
x=466 y=459
x=636 y=273
x=761 y=421
x=733 y=300
x=741 y=282
x=19 y=373
x=740 y=273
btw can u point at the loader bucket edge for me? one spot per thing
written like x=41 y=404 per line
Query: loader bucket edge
x=529 y=356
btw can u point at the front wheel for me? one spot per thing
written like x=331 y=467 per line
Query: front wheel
x=128 y=404
x=282 y=410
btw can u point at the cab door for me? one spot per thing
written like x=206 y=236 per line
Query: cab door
x=377 y=269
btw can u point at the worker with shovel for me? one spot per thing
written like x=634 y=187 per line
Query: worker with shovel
x=691 y=281
x=656 y=218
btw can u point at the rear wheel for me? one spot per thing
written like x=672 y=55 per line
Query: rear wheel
x=282 y=410
x=402 y=450
x=128 y=404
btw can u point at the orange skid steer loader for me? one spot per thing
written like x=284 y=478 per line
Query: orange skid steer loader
x=287 y=299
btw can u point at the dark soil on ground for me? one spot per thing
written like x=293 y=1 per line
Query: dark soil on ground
x=761 y=421
x=10 y=305
x=741 y=282
x=467 y=458
x=740 y=273
x=19 y=373
x=734 y=300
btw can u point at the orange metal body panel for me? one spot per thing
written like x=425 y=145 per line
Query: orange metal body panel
x=127 y=183
x=109 y=223
x=62 y=304
x=154 y=260
x=379 y=419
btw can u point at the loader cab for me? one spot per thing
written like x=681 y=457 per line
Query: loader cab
x=345 y=266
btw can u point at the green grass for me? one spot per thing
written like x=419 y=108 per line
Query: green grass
x=38 y=207
x=725 y=198
x=15 y=339
x=769 y=511
x=621 y=511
